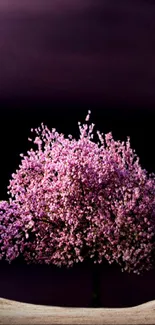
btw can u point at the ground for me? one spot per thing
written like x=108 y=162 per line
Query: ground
x=12 y=312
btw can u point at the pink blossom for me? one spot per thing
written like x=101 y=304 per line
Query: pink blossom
x=76 y=199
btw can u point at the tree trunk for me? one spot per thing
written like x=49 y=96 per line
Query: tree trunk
x=96 y=303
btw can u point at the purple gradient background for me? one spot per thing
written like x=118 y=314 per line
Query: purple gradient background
x=59 y=58
x=93 y=49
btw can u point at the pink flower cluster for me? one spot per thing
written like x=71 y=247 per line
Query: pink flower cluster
x=76 y=199
x=11 y=231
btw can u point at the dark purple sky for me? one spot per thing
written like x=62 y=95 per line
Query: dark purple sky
x=79 y=49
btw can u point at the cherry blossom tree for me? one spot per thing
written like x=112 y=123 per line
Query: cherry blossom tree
x=72 y=200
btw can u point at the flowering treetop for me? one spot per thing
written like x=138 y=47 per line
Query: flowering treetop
x=75 y=199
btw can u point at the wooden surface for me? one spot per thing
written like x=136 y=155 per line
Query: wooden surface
x=12 y=312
